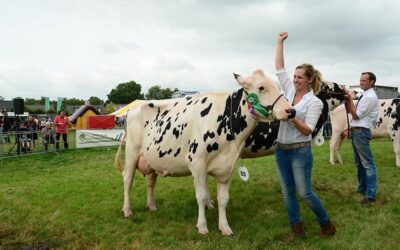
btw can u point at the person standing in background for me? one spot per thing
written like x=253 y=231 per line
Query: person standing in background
x=61 y=122
x=364 y=114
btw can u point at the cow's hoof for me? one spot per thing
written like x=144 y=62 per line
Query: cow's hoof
x=152 y=208
x=127 y=213
x=332 y=163
x=202 y=229
x=227 y=231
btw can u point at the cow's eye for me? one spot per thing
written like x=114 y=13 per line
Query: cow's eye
x=261 y=89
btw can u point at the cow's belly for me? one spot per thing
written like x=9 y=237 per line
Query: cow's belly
x=167 y=166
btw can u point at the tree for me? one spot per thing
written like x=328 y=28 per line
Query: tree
x=110 y=107
x=95 y=101
x=158 y=93
x=126 y=93
x=73 y=101
x=31 y=101
x=1 y=98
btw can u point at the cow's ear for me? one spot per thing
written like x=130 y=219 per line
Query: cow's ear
x=239 y=79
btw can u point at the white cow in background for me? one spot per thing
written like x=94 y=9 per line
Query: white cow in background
x=387 y=125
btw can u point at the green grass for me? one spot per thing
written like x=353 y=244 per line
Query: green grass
x=73 y=201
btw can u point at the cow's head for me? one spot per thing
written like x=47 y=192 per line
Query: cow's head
x=333 y=94
x=264 y=96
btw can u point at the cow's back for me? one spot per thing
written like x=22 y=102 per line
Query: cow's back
x=167 y=131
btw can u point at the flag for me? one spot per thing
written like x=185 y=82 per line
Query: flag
x=59 y=104
x=46 y=104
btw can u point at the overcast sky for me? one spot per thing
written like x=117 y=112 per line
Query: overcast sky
x=83 y=48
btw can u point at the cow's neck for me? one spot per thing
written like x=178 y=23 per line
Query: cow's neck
x=241 y=121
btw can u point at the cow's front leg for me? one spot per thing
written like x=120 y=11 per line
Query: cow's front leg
x=200 y=184
x=151 y=182
x=223 y=199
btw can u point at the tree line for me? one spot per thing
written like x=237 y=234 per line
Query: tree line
x=124 y=93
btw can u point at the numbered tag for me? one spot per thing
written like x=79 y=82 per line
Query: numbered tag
x=319 y=140
x=243 y=173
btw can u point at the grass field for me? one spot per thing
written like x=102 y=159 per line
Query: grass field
x=73 y=201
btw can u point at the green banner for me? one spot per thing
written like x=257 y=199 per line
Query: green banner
x=59 y=104
x=46 y=104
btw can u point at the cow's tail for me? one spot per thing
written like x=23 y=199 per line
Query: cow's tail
x=117 y=162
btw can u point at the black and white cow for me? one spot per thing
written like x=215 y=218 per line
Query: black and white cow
x=262 y=141
x=387 y=125
x=199 y=136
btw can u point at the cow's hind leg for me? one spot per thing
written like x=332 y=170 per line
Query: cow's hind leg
x=337 y=149
x=200 y=184
x=223 y=199
x=151 y=182
x=210 y=202
x=396 y=147
x=128 y=174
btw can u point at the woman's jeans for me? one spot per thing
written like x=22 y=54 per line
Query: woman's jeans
x=294 y=170
x=366 y=168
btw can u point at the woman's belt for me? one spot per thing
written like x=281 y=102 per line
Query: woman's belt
x=294 y=145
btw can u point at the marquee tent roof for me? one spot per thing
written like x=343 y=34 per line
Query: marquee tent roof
x=122 y=111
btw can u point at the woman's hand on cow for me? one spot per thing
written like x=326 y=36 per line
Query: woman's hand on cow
x=282 y=37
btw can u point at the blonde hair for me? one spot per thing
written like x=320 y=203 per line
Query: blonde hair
x=314 y=74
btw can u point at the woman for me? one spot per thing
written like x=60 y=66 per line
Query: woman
x=293 y=151
x=31 y=126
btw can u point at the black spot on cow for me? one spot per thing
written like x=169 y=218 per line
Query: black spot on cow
x=204 y=100
x=208 y=134
x=206 y=111
x=196 y=101
x=243 y=102
x=184 y=111
x=164 y=113
x=161 y=154
x=188 y=98
x=189 y=103
x=151 y=105
x=170 y=151
x=175 y=132
x=177 y=152
x=146 y=123
x=382 y=104
x=213 y=147
x=175 y=104
x=233 y=117
x=193 y=147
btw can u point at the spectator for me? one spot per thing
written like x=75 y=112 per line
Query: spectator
x=48 y=135
x=31 y=127
x=61 y=122
x=6 y=127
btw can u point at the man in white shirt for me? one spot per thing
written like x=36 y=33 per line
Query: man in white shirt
x=365 y=114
